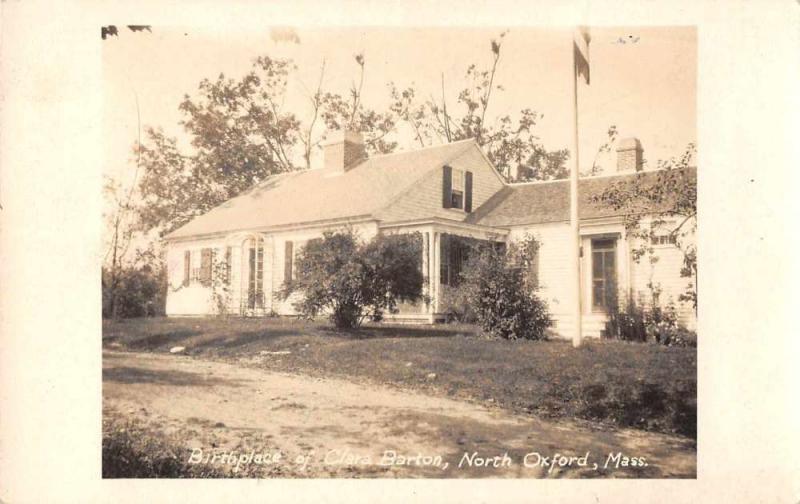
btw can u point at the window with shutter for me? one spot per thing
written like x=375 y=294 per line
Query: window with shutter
x=187 y=267
x=457 y=190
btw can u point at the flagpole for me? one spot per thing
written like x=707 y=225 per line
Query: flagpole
x=577 y=337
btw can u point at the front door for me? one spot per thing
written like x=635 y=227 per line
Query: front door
x=604 y=273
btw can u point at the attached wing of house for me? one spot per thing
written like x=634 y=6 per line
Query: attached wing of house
x=451 y=194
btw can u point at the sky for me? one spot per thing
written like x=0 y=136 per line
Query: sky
x=643 y=80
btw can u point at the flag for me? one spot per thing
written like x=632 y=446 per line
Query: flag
x=580 y=46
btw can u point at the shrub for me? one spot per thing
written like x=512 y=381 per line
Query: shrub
x=454 y=303
x=354 y=280
x=498 y=290
x=644 y=322
x=135 y=291
x=132 y=451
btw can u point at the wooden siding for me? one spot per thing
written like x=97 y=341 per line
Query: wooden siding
x=424 y=199
x=555 y=278
x=197 y=299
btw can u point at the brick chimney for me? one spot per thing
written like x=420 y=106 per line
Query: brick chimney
x=343 y=150
x=629 y=155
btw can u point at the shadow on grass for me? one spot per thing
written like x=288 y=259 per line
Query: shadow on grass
x=130 y=375
x=401 y=331
x=157 y=340
x=198 y=340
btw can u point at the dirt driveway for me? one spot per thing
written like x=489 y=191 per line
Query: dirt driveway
x=331 y=427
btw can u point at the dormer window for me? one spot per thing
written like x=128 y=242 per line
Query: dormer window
x=457 y=191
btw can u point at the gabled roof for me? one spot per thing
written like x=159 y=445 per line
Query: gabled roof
x=544 y=202
x=320 y=195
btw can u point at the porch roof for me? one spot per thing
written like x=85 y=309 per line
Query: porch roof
x=449 y=226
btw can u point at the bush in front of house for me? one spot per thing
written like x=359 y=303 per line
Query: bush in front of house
x=499 y=286
x=134 y=291
x=353 y=280
x=647 y=321
x=455 y=304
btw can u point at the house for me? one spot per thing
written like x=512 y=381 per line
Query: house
x=450 y=194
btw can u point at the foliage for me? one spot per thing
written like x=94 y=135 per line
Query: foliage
x=646 y=320
x=240 y=135
x=501 y=292
x=508 y=141
x=649 y=201
x=221 y=292
x=604 y=149
x=132 y=451
x=454 y=303
x=354 y=280
x=140 y=291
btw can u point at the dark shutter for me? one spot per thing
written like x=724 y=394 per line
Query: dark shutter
x=447 y=186
x=287 y=261
x=534 y=273
x=468 y=192
x=228 y=265
x=187 y=267
x=205 y=266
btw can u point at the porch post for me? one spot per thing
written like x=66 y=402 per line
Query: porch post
x=436 y=255
x=426 y=249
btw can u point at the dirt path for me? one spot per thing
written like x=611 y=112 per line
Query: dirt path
x=349 y=429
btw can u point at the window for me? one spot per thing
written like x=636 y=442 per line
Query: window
x=453 y=258
x=604 y=273
x=666 y=239
x=255 y=285
x=661 y=234
x=457 y=191
x=195 y=266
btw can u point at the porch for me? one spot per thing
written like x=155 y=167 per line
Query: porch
x=445 y=249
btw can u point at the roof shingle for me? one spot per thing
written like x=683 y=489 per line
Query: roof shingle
x=543 y=202
x=316 y=195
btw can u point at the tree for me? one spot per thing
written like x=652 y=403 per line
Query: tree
x=510 y=143
x=340 y=114
x=353 y=280
x=650 y=201
x=605 y=148
x=240 y=135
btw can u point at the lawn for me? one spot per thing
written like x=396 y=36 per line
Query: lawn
x=621 y=384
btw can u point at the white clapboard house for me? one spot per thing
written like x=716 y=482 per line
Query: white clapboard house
x=450 y=194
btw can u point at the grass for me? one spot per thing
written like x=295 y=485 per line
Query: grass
x=132 y=450
x=636 y=385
